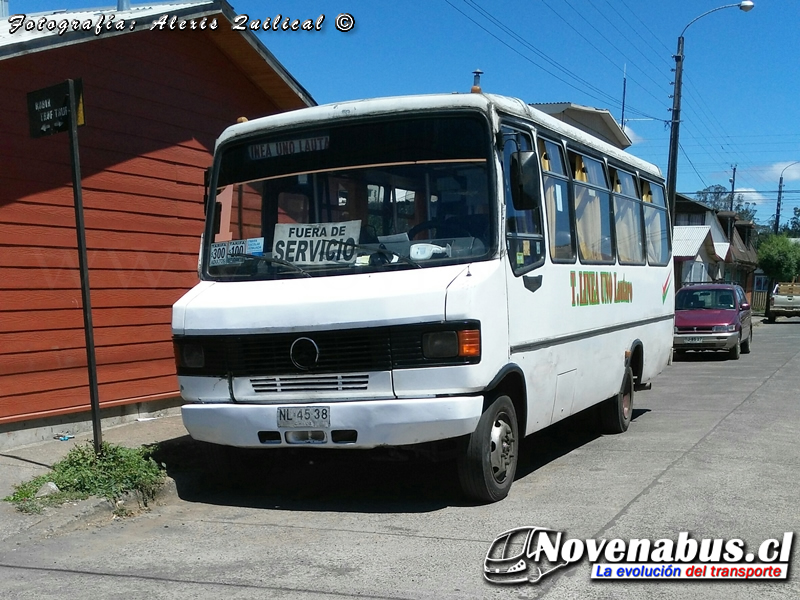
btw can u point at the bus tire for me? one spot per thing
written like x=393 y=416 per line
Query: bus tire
x=487 y=467
x=616 y=412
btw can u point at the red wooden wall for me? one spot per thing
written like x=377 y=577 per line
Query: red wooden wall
x=154 y=104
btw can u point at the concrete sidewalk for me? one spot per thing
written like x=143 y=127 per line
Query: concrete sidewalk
x=18 y=465
x=26 y=462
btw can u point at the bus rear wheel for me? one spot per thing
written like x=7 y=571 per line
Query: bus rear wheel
x=487 y=467
x=616 y=412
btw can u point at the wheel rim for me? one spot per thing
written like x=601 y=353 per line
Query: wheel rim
x=626 y=405
x=501 y=450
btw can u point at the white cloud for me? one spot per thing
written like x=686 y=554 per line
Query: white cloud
x=754 y=197
x=790 y=170
x=635 y=139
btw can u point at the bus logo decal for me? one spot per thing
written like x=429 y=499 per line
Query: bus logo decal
x=665 y=288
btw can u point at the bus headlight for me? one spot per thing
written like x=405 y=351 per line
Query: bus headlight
x=452 y=344
x=440 y=344
x=189 y=355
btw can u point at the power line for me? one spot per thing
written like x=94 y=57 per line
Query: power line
x=599 y=94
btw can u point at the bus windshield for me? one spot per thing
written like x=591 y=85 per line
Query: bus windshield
x=351 y=198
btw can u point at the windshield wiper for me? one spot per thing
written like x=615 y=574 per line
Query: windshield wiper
x=277 y=261
x=385 y=251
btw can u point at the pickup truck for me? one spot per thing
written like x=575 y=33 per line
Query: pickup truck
x=784 y=301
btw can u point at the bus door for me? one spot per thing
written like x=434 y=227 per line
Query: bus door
x=530 y=286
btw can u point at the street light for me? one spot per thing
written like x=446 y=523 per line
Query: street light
x=780 y=192
x=672 y=166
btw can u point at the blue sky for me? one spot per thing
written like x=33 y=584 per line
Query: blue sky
x=741 y=89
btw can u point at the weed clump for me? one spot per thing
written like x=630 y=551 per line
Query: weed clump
x=112 y=473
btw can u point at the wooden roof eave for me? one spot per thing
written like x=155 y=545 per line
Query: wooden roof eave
x=253 y=57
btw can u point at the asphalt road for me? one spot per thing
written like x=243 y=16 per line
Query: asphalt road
x=714 y=449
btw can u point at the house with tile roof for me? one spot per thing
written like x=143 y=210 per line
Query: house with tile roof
x=710 y=245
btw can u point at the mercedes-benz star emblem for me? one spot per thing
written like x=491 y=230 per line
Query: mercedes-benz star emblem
x=304 y=353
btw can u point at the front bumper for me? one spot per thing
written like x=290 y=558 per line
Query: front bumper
x=705 y=340
x=375 y=423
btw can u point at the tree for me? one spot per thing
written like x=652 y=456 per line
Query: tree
x=792 y=228
x=719 y=198
x=779 y=258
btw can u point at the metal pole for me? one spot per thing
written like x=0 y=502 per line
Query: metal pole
x=624 y=90
x=84 y=267
x=672 y=167
x=780 y=191
x=731 y=218
x=778 y=210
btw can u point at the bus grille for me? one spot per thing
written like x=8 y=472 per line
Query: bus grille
x=309 y=383
x=363 y=350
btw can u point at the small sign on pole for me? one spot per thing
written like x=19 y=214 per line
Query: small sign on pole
x=53 y=110
x=48 y=109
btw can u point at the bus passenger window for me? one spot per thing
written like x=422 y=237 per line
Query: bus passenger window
x=655 y=223
x=627 y=218
x=556 y=202
x=592 y=205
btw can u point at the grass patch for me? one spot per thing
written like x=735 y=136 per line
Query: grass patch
x=111 y=474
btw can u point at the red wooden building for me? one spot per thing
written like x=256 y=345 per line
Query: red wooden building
x=155 y=100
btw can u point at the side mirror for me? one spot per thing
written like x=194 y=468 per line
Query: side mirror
x=524 y=180
x=744 y=306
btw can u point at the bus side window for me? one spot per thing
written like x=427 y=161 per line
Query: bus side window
x=556 y=202
x=627 y=218
x=524 y=239
x=655 y=223
x=592 y=205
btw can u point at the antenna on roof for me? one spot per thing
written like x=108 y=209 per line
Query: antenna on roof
x=476 y=83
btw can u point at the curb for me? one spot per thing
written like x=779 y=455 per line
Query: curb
x=73 y=515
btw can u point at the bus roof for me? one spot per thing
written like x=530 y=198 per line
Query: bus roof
x=489 y=103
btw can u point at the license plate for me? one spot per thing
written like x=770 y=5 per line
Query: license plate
x=694 y=340
x=307 y=417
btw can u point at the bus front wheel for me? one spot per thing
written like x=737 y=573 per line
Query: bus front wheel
x=486 y=468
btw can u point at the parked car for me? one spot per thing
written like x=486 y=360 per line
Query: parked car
x=713 y=316
x=784 y=301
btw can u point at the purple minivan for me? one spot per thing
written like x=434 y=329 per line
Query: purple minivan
x=713 y=316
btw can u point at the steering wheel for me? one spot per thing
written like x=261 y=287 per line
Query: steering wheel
x=440 y=227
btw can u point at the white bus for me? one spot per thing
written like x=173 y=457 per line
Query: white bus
x=449 y=270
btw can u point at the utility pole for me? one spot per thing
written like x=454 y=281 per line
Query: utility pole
x=780 y=193
x=778 y=209
x=731 y=218
x=674 y=132
x=624 y=89
x=675 y=121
